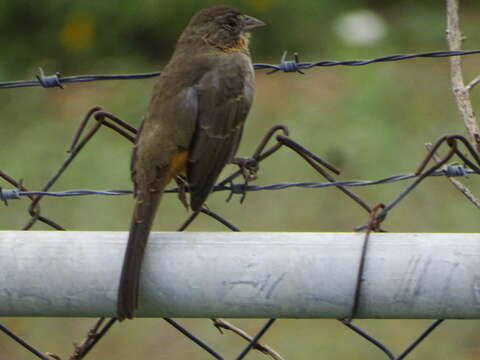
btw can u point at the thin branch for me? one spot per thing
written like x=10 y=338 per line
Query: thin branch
x=461 y=93
x=222 y=324
x=94 y=334
x=473 y=83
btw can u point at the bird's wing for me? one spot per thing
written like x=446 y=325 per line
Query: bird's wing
x=224 y=99
x=168 y=128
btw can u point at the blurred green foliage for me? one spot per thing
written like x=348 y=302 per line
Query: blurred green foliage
x=76 y=36
x=369 y=121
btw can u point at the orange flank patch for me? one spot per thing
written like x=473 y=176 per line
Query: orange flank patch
x=178 y=163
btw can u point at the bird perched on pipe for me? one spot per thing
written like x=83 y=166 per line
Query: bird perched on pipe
x=193 y=125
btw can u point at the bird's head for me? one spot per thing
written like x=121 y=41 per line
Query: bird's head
x=223 y=27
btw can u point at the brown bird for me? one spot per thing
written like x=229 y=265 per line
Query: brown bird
x=193 y=125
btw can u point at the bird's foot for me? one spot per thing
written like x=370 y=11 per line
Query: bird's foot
x=248 y=166
x=183 y=188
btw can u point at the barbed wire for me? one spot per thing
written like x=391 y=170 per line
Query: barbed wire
x=57 y=80
x=376 y=213
x=448 y=171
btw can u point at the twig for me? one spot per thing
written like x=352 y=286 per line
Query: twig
x=461 y=93
x=93 y=336
x=462 y=188
x=473 y=83
x=255 y=340
x=222 y=324
x=53 y=356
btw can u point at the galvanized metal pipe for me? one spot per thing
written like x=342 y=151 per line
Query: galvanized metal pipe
x=262 y=275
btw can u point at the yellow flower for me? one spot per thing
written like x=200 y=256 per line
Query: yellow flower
x=76 y=34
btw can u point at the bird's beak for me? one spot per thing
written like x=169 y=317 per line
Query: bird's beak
x=250 y=23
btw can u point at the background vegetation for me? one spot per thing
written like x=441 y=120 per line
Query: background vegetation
x=370 y=121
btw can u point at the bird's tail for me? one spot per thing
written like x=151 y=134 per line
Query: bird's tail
x=143 y=216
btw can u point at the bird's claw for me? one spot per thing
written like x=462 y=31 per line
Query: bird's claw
x=183 y=188
x=248 y=166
